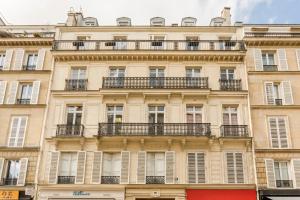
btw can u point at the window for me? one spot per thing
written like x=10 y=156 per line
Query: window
x=235 y=168
x=25 y=92
x=114 y=116
x=192 y=43
x=74 y=115
x=31 y=61
x=67 y=167
x=121 y=42
x=111 y=168
x=230 y=116
x=13 y=169
x=196 y=167
x=2 y=60
x=193 y=72
x=194 y=114
x=278 y=132
x=78 y=73
x=227 y=74
x=268 y=58
x=282 y=175
x=157 y=42
x=155 y=168
x=157 y=77
x=278 y=93
x=17 y=131
x=117 y=77
x=156 y=119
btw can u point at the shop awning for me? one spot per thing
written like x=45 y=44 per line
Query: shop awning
x=195 y=194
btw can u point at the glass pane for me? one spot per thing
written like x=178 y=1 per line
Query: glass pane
x=284 y=171
x=160 y=118
x=13 y=169
x=189 y=73
x=150 y=164
x=198 y=118
x=225 y=118
x=277 y=171
x=160 y=108
x=78 y=119
x=70 y=117
x=234 y=120
x=189 y=118
x=189 y=108
x=118 y=119
x=271 y=59
x=151 y=118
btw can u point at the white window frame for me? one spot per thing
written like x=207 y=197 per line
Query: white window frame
x=157 y=72
x=289 y=171
x=73 y=153
x=268 y=55
x=27 y=91
x=235 y=171
x=117 y=72
x=115 y=112
x=194 y=112
x=17 y=131
x=155 y=169
x=227 y=73
x=193 y=73
x=34 y=56
x=74 y=112
x=228 y=110
x=196 y=165
x=156 y=111
x=112 y=162
x=278 y=135
x=80 y=73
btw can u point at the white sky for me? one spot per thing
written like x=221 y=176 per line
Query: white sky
x=140 y=11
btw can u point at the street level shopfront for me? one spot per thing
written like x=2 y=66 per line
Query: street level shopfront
x=283 y=194
x=220 y=194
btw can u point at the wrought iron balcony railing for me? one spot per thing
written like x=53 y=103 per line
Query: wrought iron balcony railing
x=154 y=129
x=9 y=181
x=155 y=180
x=272 y=34
x=234 y=131
x=65 y=130
x=29 y=67
x=23 y=101
x=278 y=102
x=270 y=68
x=149 y=45
x=110 y=179
x=284 y=183
x=76 y=84
x=65 y=179
x=230 y=84
x=155 y=82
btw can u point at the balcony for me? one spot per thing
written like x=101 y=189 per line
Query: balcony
x=230 y=84
x=9 y=181
x=155 y=83
x=76 y=84
x=272 y=34
x=155 y=180
x=154 y=129
x=270 y=68
x=239 y=131
x=29 y=67
x=148 y=45
x=65 y=179
x=284 y=183
x=278 y=102
x=23 y=101
x=110 y=179
x=64 y=130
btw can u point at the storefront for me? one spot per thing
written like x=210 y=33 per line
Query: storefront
x=206 y=194
x=14 y=195
x=279 y=194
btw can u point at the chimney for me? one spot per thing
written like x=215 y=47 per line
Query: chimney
x=71 y=20
x=227 y=16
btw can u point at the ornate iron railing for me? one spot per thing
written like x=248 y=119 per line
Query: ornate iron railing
x=9 y=181
x=155 y=180
x=65 y=130
x=76 y=84
x=234 y=131
x=29 y=67
x=230 y=84
x=65 y=179
x=284 y=183
x=23 y=101
x=278 y=102
x=270 y=68
x=272 y=34
x=110 y=179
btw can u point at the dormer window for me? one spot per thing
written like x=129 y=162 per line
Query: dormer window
x=124 y=21
x=188 y=21
x=157 y=21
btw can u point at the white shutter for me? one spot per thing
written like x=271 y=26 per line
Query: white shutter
x=81 y=157
x=282 y=132
x=270 y=173
x=298 y=57
x=2 y=160
x=239 y=168
x=2 y=91
x=141 y=170
x=287 y=93
x=170 y=167
x=282 y=61
x=35 y=92
x=8 y=58
x=17 y=131
x=21 y=131
x=54 y=162
x=191 y=170
x=12 y=93
x=296 y=170
x=22 y=172
x=230 y=167
x=258 y=59
x=269 y=92
x=125 y=166
x=201 y=168
x=97 y=165
x=40 y=59
x=273 y=132
x=19 y=57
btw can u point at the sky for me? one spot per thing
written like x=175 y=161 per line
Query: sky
x=140 y=11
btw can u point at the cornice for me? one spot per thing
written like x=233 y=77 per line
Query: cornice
x=274 y=73
x=277 y=150
x=277 y=107
x=26 y=41
x=25 y=72
x=23 y=106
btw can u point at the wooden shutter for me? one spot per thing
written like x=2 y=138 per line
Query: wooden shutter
x=2 y=160
x=170 y=167
x=191 y=170
x=141 y=170
x=8 y=58
x=201 y=168
x=282 y=61
x=125 y=166
x=23 y=171
x=35 y=92
x=54 y=163
x=282 y=132
x=258 y=59
x=2 y=91
x=81 y=157
x=40 y=59
x=19 y=57
x=287 y=93
x=17 y=131
x=269 y=92
x=21 y=131
x=12 y=93
x=273 y=132
x=230 y=167
x=270 y=173
x=239 y=168
x=298 y=57
x=296 y=169
x=97 y=166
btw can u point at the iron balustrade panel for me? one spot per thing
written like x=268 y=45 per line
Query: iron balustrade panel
x=29 y=67
x=9 y=181
x=155 y=82
x=278 y=102
x=234 y=131
x=270 y=68
x=284 y=183
x=76 y=84
x=154 y=129
x=65 y=179
x=110 y=179
x=230 y=84
x=155 y=180
x=64 y=130
x=23 y=101
x=149 y=45
x=272 y=34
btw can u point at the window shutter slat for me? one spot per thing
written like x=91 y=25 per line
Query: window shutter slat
x=269 y=92
x=170 y=167
x=22 y=172
x=97 y=167
x=141 y=170
x=282 y=61
x=2 y=160
x=35 y=92
x=81 y=157
x=282 y=132
x=21 y=131
x=19 y=57
x=125 y=166
x=13 y=131
x=201 y=167
x=12 y=95
x=270 y=173
x=230 y=168
x=298 y=57
x=8 y=58
x=273 y=132
x=191 y=159
x=239 y=167
x=40 y=59
x=287 y=92
x=258 y=59
x=54 y=162
x=296 y=169
x=2 y=91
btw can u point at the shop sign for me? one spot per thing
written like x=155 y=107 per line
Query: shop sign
x=80 y=193
x=6 y=195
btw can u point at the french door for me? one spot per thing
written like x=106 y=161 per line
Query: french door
x=156 y=120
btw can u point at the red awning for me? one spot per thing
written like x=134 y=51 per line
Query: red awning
x=221 y=194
